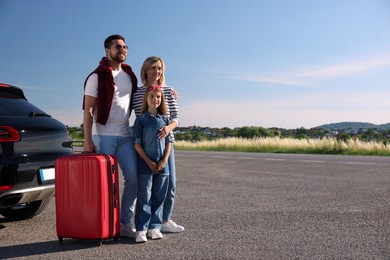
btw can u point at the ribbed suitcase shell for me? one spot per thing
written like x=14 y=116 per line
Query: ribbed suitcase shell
x=87 y=197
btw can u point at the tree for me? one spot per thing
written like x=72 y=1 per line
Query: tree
x=264 y=132
x=344 y=137
x=227 y=132
x=245 y=132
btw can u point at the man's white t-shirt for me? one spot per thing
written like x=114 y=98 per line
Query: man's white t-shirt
x=118 y=119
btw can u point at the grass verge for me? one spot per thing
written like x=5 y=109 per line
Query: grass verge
x=288 y=145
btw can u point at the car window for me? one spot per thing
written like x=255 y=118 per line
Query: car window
x=17 y=107
x=7 y=94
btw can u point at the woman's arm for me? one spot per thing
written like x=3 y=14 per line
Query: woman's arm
x=137 y=100
x=173 y=107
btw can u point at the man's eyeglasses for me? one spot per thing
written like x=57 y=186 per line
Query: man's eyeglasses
x=119 y=47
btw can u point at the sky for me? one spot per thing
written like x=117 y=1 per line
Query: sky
x=282 y=63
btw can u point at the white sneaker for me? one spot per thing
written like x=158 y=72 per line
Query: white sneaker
x=155 y=233
x=171 y=227
x=127 y=231
x=141 y=237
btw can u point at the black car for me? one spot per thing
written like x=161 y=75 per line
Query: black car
x=30 y=142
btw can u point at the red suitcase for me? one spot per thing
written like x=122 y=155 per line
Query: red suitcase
x=87 y=197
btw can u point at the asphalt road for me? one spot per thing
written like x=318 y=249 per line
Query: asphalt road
x=246 y=206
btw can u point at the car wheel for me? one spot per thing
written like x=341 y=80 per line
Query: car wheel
x=25 y=211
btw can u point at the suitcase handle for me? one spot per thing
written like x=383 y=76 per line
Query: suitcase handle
x=114 y=194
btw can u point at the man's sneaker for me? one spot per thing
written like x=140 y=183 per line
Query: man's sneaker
x=127 y=231
x=171 y=227
x=155 y=233
x=141 y=237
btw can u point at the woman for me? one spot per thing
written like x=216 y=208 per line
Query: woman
x=152 y=73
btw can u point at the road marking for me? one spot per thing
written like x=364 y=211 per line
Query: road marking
x=313 y=161
x=221 y=157
x=361 y=163
x=273 y=159
x=246 y=158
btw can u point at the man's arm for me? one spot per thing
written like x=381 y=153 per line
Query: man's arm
x=89 y=108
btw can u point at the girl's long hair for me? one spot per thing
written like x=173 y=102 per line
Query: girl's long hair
x=162 y=109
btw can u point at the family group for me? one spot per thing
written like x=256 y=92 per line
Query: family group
x=145 y=151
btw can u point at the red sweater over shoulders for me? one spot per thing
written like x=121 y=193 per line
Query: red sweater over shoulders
x=106 y=89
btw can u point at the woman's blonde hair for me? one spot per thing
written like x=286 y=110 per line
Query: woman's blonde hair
x=149 y=63
x=162 y=109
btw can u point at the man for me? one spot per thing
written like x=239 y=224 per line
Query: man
x=107 y=106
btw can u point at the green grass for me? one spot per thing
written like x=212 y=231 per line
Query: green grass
x=288 y=145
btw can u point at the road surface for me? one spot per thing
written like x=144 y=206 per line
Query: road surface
x=246 y=206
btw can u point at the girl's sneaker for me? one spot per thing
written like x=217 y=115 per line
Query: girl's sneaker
x=155 y=233
x=141 y=237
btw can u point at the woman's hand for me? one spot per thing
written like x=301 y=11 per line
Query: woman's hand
x=164 y=132
x=175 y=94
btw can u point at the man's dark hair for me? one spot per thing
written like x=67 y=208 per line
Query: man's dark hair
x=108 y=41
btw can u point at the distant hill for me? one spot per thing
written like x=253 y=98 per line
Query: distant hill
x=353 y=125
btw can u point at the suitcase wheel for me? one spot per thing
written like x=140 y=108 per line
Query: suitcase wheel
x=61 y=240
x=116 y=238
x=99 y=242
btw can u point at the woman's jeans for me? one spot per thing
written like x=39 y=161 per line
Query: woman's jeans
x=170 y=198
x=152 y=188
x=123 y=149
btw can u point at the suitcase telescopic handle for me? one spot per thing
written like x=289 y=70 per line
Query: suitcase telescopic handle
x=114 y=193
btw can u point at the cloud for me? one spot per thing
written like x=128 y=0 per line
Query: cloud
x=273 y=78
x=349 y=68
x=309 y=77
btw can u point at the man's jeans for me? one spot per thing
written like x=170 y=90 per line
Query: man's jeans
x=123 y=149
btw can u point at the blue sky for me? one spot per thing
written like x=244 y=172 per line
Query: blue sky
x=285 y=64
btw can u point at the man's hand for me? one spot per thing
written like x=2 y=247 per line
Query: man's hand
x=89 y=147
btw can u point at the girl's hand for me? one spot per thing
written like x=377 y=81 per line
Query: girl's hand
x=153 y=167
x=161 y=165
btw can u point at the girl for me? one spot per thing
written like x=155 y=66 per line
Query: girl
x=153 y=73
x=152 y=167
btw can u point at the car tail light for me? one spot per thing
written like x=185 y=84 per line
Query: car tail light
x=6 y=187
x=8 y=134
